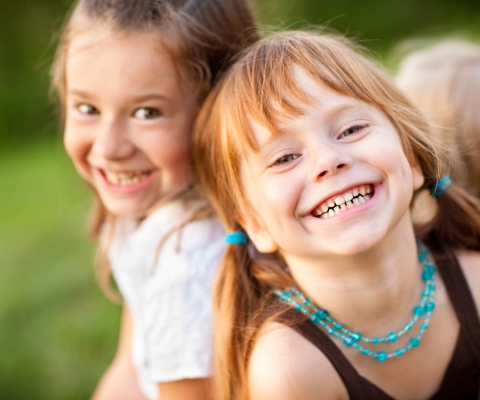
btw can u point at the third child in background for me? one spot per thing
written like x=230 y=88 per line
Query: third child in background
x=443 y=81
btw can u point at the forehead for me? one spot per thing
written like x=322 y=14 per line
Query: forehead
x=131 y=61
x=321 y=105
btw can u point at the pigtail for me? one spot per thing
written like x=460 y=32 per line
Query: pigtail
x=235 y=298
x=243 y=302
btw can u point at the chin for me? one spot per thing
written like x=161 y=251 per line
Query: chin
x=126 y=210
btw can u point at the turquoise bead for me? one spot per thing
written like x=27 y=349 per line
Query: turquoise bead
x=365 y=352
x=408 y=327
x=430 y=269
x=358 y=347
x=426 y=276
x=375 y=340
x=298 y=307
x=430 y=306
x=431 y=287
x=392 y=337
x=424 y=326
x=356 y=336
x=419 y=311
x=313 y=318
x=373 y=354
x=382 y=356
x=338 y=326
x=399 y=352
x=322 y=314
x=348 y=341
x=331 y=331
x=306 y=302
x=414 y=342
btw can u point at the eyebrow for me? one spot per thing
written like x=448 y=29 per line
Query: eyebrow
x=138 y=98
x=329 y=114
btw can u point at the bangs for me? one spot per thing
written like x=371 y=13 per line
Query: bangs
x=262 y=86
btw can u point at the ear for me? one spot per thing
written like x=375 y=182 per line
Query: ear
x=258 y=234
x=417 y=174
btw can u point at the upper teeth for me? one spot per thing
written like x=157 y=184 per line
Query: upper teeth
x=347 y=200
x=125 y=178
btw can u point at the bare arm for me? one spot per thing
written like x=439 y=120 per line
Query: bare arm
x=186 y=389
x=120 y=380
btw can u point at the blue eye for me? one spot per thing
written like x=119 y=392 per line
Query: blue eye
x=87 y=109
x=285 y=159
x=147 y=113
x=352 y=130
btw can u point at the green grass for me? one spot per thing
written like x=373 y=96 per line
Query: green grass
x=58 y=332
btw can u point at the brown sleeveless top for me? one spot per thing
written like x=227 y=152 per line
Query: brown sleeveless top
x=462 y=377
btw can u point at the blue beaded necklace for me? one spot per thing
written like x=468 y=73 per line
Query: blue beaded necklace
x=322 y=319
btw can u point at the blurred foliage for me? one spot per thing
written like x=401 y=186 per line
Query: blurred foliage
x=58 y=331
x=28 y=30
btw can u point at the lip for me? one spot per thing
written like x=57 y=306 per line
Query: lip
x=125 y=189
x=357 y=209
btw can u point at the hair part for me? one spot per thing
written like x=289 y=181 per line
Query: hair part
x=261 y=86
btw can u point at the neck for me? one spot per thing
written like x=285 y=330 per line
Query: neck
x=370 y=290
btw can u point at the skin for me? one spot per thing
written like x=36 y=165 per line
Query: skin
x=347 y=264
x=127 y=118
x=135 y=117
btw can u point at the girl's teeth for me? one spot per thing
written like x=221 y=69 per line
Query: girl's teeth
x=125 y=178
x=348 y=200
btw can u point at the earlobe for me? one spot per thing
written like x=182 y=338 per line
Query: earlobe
x=417 y=174
x=259 y=235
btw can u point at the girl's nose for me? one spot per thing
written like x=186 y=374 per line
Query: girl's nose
x=329 y=160
x=112 y=141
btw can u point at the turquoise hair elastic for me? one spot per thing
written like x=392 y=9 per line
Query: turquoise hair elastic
x=236 y=237
x=441 y=186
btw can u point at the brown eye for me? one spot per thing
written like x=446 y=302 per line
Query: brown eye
x=146 y=113
x=352 y=130
x=87 y=109
x=285 y=159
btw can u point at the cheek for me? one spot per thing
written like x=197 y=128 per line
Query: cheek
x=77 y=147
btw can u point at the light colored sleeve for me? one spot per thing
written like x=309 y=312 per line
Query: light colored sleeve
x=178 y=301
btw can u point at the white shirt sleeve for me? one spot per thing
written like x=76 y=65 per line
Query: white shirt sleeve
x=178 y=303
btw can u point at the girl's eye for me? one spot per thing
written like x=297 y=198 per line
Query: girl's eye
x=87 y=109
x=146 y=113
x=285 y=159
x=352 y=130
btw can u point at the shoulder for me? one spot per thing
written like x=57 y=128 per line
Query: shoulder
x=470 y=263
x=284 y=365
x=202 y=242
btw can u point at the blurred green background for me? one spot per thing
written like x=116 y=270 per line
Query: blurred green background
x=57 y=331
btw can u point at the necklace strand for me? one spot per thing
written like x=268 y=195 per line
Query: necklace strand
x=323 y=320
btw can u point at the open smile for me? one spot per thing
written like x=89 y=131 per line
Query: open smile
x=346 y=201
x=125 y=179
